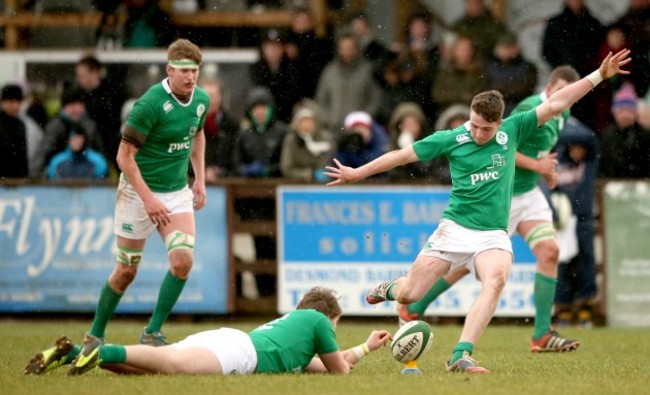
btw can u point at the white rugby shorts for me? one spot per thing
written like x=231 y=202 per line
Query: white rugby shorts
x=131 y=220
x=233 y=348
x=459 y=245
x=529 y=206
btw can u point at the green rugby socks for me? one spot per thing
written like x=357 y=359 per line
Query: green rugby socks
x=112 y=353
x=170 y=290
x=544 y=295
x=108 y=301
x=436 y=290
x=457 y=353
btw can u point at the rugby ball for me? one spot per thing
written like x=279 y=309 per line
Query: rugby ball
x=411 y=341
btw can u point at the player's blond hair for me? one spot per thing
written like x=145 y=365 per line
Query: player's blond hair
x=323 y=300
x=489 y=105
x=184 y=49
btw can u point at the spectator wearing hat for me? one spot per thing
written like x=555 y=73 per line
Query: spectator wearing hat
x=362 y=141
x=508 y=72
x=13 y=134
x=77 y=160
x=626 y=144
x=307 y=147
x=408 y=125
x=278 y=73
x=72 y=116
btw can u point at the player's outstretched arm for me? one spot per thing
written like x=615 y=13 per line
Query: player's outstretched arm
x=343 y=361
x=375 y=341
x=332 y=362
x=565 y=97
x=348 y=175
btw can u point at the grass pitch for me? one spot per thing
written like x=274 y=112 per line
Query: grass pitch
x=609 y=361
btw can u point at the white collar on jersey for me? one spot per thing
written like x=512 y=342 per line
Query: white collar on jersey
x=168 y=89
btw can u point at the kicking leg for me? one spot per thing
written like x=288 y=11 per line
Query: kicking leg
x=416 y=310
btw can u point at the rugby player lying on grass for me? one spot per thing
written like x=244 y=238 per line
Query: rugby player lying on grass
x=300 y=341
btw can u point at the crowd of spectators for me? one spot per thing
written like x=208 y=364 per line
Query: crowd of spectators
x=348 y=96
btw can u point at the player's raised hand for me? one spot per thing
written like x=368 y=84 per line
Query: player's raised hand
x=341 y=174
x=611 y=65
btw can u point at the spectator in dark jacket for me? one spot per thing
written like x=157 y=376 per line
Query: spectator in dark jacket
x=577 y=155
x=309 y=51
x=13 y=134
x=572 y=37
x=362 y=141
x=509 y=73
x=259 y=142
x=103 y=102
x=278 y=73
x=626 y=152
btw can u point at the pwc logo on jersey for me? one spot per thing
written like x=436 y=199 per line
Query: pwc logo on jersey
x=498 y=160
x=179 y=146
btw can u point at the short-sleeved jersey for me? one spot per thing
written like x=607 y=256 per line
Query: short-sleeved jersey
x=170 y=127
x=538 y=144
x=288 y=344
x=482 y=175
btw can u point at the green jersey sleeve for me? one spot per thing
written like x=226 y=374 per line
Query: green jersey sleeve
x=142 y=117
x=325 y=338
x=436 y=144
x=525 y=124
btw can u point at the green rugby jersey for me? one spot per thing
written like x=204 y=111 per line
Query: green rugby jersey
x=170 y=127
x=482 y=175
x=538 y=144
x=288 y=344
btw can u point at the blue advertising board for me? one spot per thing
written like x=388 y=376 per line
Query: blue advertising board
x=58 y=248
x=351 y=238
